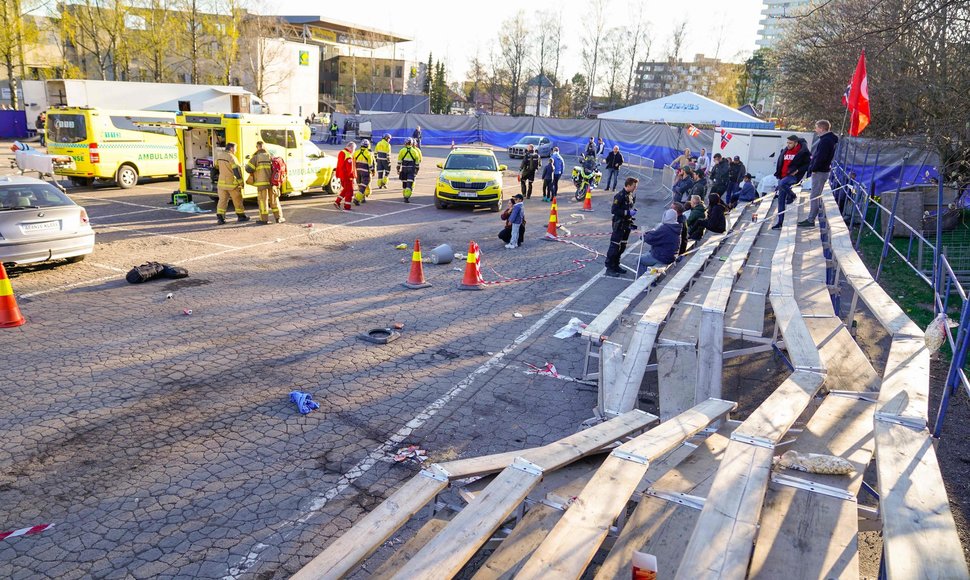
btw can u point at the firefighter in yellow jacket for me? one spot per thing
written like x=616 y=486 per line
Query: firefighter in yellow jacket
x=382 y=154
x=230 y=185
x=260 y=165
x=364 y=164
x=408 y=164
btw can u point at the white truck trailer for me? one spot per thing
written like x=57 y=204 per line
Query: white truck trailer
x=757 y=148
x=150 y=96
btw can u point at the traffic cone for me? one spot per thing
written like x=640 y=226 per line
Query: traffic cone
x=10 y=315
x=416 y=277
x=588 y=202
x=473 y=278
x=553 y=222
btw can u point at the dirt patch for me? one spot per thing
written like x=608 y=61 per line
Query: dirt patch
x=186 y=283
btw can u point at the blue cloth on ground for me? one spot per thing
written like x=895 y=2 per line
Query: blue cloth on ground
x=304 y=401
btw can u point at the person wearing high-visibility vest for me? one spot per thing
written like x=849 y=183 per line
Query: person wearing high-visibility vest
x=230 y=185
x=260 y=165
x=382 y=153
x=408 y=164
x=345 y=173
x=364 y=163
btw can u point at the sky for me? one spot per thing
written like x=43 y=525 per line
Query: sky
x=456 y=31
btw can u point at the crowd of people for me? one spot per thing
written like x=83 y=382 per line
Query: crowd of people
x=723 y=183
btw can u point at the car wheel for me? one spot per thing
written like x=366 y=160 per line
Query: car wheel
x=82 y=181
x=334 y=186
x=495 y=207
x=438 y=202
x=75 y=259
x=127 y=177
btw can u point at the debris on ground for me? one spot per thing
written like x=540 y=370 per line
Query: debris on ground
x=548 y=371
x=187 y=311
x=411 y=453
x=190 y=207
x=153 y=270
x=517 y=314
x=398 y=326
x=814 y=463
x=169 y=296
x=308 y=226
x=572 y=328
x=304 y=402
x=401 y=247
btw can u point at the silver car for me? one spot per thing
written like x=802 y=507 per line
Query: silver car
x=543 y=146
x=39 y=223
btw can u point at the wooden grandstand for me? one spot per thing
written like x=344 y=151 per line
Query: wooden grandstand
x=691 y=486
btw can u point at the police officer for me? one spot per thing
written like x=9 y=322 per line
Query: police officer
x=623 y=211
x=230 y=185
x=364 y=163
x=382 y=153
x=261 y=166
x=408 y=164
x=527 y=171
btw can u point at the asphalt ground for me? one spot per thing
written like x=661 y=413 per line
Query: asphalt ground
x=161 y=444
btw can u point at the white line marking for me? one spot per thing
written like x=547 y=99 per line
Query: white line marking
x=330 y=209
x=107 y=267
x=174 y=237
x=123 y=202
x=394 y=441
x=114 y=215
x=583 y=312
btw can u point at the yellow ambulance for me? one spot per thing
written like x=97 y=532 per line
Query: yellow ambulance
x=118 y=146
x=203 y=135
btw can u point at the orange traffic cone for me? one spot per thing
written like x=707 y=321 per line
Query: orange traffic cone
x=10 y=315
x=553 y=222
x=416 y=277
x=473 y=276
x=588 y=202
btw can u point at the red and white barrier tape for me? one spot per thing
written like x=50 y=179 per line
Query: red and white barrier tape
x=580 y=264
x=25 y=531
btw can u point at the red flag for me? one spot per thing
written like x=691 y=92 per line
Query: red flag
x=858 y=102
x=725 y=138
x=693 y=131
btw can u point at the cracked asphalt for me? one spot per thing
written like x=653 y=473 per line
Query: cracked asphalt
x=164 y=445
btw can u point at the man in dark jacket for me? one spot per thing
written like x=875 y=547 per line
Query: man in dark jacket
x=527 y=170
x=747 y=192
x=789 y=169
x=700 y=186
x=735 y=171
x=719 y=174
x=613 y=162
x=624 y=212
x=683 y=185
x=416 y=136
x=664 y=241
x=823 y=151
x=590 y=148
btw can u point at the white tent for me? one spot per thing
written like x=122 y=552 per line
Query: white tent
x=685 y=107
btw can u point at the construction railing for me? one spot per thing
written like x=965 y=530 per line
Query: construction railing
x=862 y=208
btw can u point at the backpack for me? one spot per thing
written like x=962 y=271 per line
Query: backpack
x=277 y=176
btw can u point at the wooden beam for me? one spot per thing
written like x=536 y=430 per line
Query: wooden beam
x=571 y=545
x=609 y=315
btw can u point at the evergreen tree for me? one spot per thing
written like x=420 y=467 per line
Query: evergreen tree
x=426 y=89
x=439 y=101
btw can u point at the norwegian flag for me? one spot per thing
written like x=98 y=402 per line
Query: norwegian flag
x=693 y=131
x=845 y=95
x=725 y=138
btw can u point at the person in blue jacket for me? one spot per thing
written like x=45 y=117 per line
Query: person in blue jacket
x=547 y=172
x=748 y=192
x=558 y=165
x=664 y=241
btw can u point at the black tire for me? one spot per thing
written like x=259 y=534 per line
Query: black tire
x=580 y=193
x=495 y=207
x=82 y=181
x=76 y=259
x=127 y=176
x=438 y=203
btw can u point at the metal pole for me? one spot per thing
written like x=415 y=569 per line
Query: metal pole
x=892 y=219
x=865 y=208
x=959 y=357
x=937 y=270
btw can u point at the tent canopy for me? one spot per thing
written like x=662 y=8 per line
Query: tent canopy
x=687 y=107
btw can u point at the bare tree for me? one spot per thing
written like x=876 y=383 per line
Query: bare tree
x=674 y=44
x=616 y=56
x=640 y=46
x=265 y=53
x=514 y=47
x=547 y=38
x=225 y=30
x=91 y=28
x=591 y=48
x=558 y=46
x=190 y=14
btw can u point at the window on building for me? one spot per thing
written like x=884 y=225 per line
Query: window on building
x=343 y=67
x=398 y=72
x=387 y=70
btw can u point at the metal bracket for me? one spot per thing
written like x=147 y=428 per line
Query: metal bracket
x=436 y=473
x=799 y=483
x=753 y=440
x=630 y=457
x=860 y=395
x=911 y=422
x=527 y=466
x=687 y=500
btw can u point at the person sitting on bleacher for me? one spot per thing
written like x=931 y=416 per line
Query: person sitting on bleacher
x=715 y=220
x=695 y=215
x=747 y=189
x=664 y=240
x=683 y=184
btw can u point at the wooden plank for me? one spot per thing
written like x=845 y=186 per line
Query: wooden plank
x=798 y=342
x=663 y=528
x=846 y=366
x=710 y=356
x=676 y=378
x=773 y=417
x=360 y=541
x=429 y=530
x=720 y=546
x=807 y=535
x=746 y=308
x=512 y=553
x=571 y=545
x=446 y=553
x=588 y=441
x=905 y=383
x=627 y=378
x=609 y=315
x=920 y=539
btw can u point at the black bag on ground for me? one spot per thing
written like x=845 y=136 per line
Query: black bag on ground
x=144 y=273
x=174 y=272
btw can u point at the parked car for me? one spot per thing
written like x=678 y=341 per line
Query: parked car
x=469 y=176
x=39 y=223
x=542 y=144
